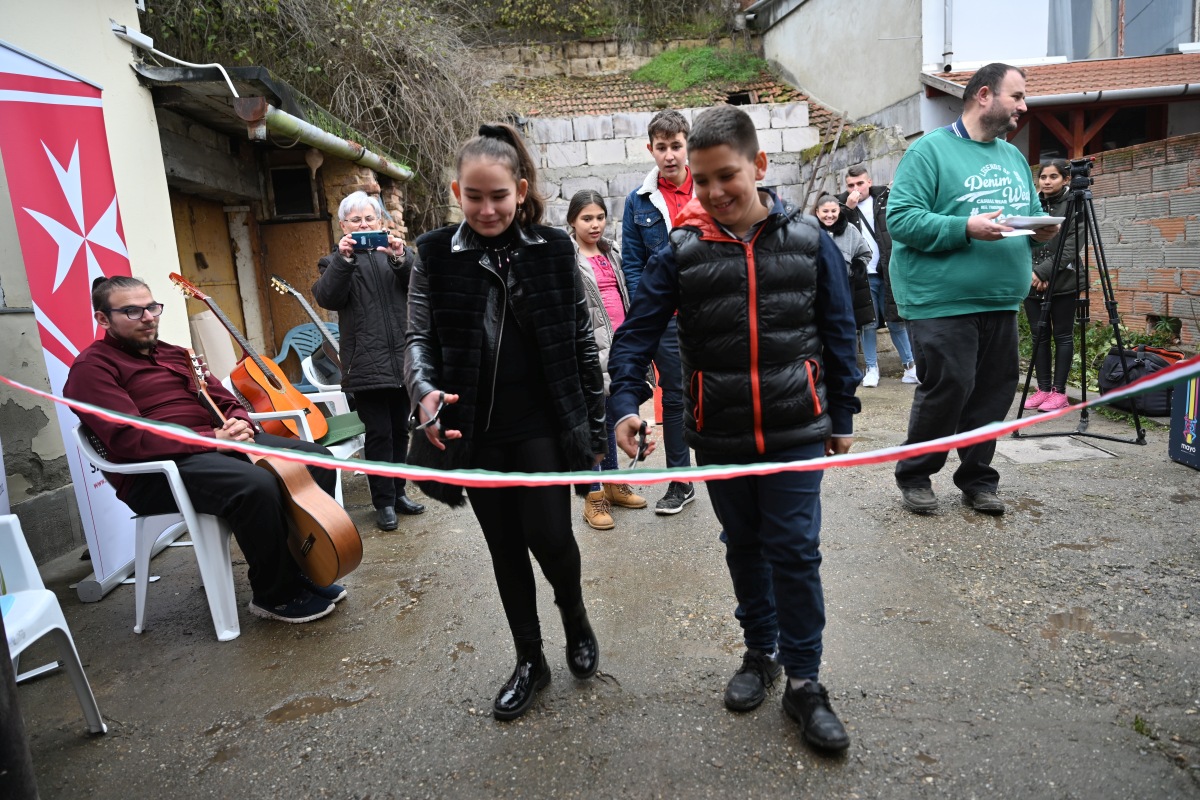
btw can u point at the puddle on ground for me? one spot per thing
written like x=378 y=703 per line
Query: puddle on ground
x=225 y=753
x=1181 y=498
x=925 y=758
x=1083 y=546
x=411 y=591
x=1077 y=620
x=1029 y=506
x=308 y=706
x=459 y=649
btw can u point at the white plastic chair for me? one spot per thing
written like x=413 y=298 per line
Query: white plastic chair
x=31 y=611
x=336 y=399
x=310 y=373
x=210 y=539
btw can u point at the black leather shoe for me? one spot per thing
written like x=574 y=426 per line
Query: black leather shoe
x=530 y=677
x=409 y=507
x=583 y=651
x=919 y=499
x=809 y=706
x=385 y=518
x=748 y=687
x=984 y=503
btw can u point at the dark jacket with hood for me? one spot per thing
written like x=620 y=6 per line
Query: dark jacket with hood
x=857 y=254
x=766 y=334
x=1070 y=278
x=879 y=232
x=457 y=302
x=370 y=293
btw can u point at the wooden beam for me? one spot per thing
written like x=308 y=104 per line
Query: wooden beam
x=1077 y=140
x=1097 y=124
x=1051 y=122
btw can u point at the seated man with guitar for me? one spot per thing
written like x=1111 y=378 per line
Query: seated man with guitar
x=366 y=282
x=132 y=372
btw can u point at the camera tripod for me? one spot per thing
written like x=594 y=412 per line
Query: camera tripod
x=1081 y=218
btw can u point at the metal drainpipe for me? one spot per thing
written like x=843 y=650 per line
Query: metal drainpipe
x=259 y=115
x=948 y=36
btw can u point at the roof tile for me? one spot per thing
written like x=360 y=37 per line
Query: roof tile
x=1102 y=74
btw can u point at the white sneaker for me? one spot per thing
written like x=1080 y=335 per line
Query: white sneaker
x=871 y=379
x=910 y=374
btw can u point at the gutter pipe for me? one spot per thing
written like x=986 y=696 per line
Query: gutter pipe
x=259 y=116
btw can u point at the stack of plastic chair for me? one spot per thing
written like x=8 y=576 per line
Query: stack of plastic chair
x=304 y=340
x=31 y=612
x=209 y=534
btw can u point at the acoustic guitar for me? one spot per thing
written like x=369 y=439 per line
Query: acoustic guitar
x=322 y=538
x=259 y=379
x=327 y=361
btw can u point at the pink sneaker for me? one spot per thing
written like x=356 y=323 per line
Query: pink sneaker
x=1056 y=401
x=1036 y=399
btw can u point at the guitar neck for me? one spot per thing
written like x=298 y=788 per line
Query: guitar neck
x=312 y=314
x=247 y=348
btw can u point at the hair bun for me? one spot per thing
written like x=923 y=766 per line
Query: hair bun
x=98 y=281
x=494 y=132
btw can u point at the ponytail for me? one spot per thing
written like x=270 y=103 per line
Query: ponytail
x=500 y=142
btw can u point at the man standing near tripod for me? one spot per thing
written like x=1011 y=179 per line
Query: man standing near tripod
x=959 y=279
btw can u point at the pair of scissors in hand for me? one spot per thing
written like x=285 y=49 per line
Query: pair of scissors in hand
x=641 y=449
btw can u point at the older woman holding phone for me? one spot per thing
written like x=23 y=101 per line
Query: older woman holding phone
x=365 y=280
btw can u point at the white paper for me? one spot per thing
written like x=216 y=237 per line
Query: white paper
x=1007 y=234
x=1029 y=222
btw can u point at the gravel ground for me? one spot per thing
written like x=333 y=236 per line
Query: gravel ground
x=1051 y=652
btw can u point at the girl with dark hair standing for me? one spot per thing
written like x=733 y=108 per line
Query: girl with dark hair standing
x=504 y=373
x=1064 y=294
x=855 y=251
x=599 y=266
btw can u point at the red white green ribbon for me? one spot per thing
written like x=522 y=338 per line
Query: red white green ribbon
x=1175 y=374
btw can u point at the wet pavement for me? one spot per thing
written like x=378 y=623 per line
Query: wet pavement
x=1051 y=652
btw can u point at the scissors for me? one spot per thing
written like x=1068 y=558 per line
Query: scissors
x=641 y=450
x=433 y=420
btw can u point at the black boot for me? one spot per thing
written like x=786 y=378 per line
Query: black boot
x=583 y=651
x=530 y=677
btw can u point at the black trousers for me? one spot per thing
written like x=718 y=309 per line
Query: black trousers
x=520 y=520
x=385 y=412
x=968 y=369
x=1061 y=330
x=227 y=485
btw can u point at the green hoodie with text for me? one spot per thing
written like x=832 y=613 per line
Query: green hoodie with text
x=936 y=271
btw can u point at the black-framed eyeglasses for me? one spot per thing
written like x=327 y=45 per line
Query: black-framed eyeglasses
x=137 y=312
x=641 y=449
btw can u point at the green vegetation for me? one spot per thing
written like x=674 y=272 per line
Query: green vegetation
x=1141 y=726
x=688 y=67
x=557 y=20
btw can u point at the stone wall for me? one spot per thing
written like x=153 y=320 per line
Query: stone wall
x=608 y=153
x=597 y=57
x=1147 y=202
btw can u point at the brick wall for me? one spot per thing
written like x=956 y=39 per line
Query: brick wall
x=608 y=153
x=1147 y=201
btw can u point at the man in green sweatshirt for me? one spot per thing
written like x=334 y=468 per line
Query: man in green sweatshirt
x=959 y=275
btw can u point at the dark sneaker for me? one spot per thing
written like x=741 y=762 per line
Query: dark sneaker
x=678 y=495
x=304 y=607
x=809 y=706
x=984 y=503
x=748 y=686
x=919 y=499
x=334 y=593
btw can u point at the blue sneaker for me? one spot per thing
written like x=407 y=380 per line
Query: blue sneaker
x=334 y=593
x=304 y=607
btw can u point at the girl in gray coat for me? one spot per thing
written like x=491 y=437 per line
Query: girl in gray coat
x=600 y=270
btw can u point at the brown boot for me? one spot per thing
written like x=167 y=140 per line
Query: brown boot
x=597 y=511
x=623 y=496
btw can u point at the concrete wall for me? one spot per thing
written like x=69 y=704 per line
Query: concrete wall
x=598 y=57
x=850 y=60
x=1147 y=201
x=79 y=40
x=608 y=153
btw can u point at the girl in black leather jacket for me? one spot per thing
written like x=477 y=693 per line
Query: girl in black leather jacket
x=505 y=376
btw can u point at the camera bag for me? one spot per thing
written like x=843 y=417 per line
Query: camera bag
x=1139 y=362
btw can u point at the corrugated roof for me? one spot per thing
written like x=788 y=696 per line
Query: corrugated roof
x=608 y=94
x=1101 y=74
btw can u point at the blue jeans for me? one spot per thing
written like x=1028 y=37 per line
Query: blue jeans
x=771 y=527
x=670 y=378
x=899 y=329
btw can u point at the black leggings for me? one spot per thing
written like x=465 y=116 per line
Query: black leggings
x=519 y=520
x=1061 y=324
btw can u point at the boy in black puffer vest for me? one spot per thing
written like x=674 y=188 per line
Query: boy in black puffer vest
x=766 y=336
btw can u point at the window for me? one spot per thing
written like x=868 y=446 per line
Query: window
x=292 y=192
x=1081 y=29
